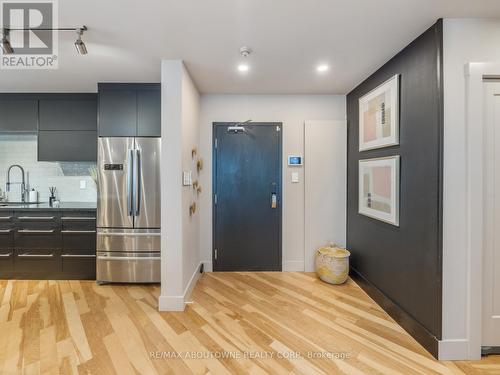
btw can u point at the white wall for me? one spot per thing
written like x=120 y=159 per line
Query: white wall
x=190 y=141
x=465 y=40
x=179 y=238
x=292 y=111
x=325 y=147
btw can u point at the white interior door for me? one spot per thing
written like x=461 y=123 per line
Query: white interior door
x=491 y=254
x=325 y=162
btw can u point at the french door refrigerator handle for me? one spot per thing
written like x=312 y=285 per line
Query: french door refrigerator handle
x=137 y=181
x=130 y=181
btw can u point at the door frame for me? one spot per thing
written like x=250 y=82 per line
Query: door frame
x=475 y=74
x=215 y=125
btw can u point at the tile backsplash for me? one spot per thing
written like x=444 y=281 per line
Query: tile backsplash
x=66 y=177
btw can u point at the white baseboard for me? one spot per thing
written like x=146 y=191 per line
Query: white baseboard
x=192 y=283
x=207 y=266
x=453 y=350
x=178 y=303
x=293 y=266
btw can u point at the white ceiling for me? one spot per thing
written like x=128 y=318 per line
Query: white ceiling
x=128 y=38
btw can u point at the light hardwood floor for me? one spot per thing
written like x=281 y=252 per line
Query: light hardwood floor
x=237 y=323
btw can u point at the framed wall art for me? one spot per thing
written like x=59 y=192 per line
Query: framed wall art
x=379 y=189
x=379 y=116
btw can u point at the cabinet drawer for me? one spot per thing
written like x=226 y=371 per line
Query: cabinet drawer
x=6 y=238
x=78 y=221
x=37 y=262
x=6 y=219
x=37 y=238
x=79 y=241
x=37 y=217
x=78 y=267
x=6 y=263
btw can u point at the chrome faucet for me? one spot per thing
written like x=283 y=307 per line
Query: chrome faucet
x=23 y=183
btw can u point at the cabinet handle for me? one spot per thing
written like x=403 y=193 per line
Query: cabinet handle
x=35 y=231
x=36 y=255
x=5 y=231
x=77 y=218
x=77 y=231
x=36 y=217
x=126 y=234
x=5 y=218
x=8 y=255
x=77 y=256
x=107 y=258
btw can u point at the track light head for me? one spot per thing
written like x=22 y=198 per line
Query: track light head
x=5 y=43
x=79 y=44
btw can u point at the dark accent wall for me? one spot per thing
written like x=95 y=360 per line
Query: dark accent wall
x=401 y=267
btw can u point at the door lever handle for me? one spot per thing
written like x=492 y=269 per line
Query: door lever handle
x=274 y=200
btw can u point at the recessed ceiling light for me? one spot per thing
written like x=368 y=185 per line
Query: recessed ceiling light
x=322 y=68
x=243 y=68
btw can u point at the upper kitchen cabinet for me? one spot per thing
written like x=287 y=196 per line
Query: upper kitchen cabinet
x=129 y=110
x=117 y=113
x=67 y=127
x=19 y=113
x=149 y=113
x=69 y=112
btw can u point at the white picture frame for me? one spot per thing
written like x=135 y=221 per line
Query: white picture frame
x=379 y=184
x=379 y=125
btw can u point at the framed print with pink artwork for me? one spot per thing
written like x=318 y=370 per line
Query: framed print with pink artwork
x=379 y=116
x=379 y=189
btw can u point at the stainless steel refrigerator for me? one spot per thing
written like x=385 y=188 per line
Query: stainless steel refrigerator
x=128 y=210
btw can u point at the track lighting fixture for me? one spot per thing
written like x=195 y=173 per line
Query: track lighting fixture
x=5 y=43
x=79 y=44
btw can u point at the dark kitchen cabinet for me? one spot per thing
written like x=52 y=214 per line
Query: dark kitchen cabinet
x=6 y=263
x=51 y=244
x=69 y=112
x=149 y=113
x=6 y=244
x=18 y=115
x=129 y=110
x=117 y=113
x=67 y=127
x=55 y=145
x=37 y=263
x=78 y=245
x=6 y=230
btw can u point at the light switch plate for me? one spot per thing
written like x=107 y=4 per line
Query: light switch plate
x=83 y=184
x=187 y=179
x=295 y=177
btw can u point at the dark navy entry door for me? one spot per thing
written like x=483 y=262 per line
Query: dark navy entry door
x=247 y=197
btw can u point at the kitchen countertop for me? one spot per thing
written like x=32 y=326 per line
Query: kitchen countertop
x=63 y=206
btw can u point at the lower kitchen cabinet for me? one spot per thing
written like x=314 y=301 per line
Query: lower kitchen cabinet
x=6 y=262
x=37 y=263
x=79 y=247
x=48 y=245
x=78 y=266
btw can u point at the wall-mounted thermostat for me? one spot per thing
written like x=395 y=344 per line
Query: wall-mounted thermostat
x=295 y=160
